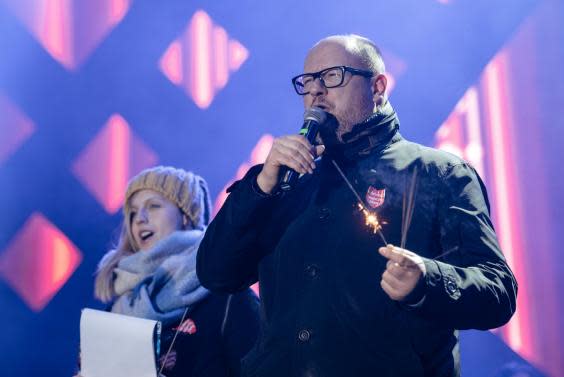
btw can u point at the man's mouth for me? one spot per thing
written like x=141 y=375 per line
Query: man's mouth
x=322 y=106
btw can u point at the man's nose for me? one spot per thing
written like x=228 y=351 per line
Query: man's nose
x=317 y=87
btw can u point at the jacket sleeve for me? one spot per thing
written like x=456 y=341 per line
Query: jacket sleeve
x=471 y=286
x=230 y=251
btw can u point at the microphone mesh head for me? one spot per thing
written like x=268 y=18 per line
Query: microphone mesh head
x=315 y=114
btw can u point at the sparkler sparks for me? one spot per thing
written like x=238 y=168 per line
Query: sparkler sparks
x=371 y=219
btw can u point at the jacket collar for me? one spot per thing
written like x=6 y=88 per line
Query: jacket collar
x=370 y=136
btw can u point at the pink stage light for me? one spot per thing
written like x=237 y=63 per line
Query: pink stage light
x=507 y=208
x=171 y=63
x=69 y=30
x=201 y=88
x=221 y=68
x=38 y=261
x=57 y=31
x=110 y=160
x=210 y=57
x=258 y=155
x=237 y=55
x=15 y=128
x=120 y=141
x=461 y=133
x=117 y=10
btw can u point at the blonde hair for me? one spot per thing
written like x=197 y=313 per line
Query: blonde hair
x=103 y=284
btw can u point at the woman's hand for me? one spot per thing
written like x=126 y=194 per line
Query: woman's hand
x=168 y=362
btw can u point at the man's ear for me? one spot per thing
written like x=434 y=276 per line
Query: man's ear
x=379 y=85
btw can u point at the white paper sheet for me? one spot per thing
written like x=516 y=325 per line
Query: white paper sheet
x=115 y=345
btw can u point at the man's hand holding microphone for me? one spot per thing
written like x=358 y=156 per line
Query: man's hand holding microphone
x=292 y=155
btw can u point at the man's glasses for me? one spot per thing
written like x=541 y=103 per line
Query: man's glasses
x=329 y=78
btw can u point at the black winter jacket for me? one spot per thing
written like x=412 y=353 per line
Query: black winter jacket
x=323 y=310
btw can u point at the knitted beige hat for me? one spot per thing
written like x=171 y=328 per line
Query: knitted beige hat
x=185 y=189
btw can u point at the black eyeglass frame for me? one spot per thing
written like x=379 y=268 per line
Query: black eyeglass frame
x=343 y=68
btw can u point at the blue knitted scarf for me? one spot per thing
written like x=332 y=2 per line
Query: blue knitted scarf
x=161 y=282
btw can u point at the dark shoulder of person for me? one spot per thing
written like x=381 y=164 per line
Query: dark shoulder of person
x=201 y=341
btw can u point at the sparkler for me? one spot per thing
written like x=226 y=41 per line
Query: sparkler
x=370 y=217
x=407 y=215
x=174 y=340
x=407 y=209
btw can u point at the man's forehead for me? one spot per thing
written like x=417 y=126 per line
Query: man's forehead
x=329 y=54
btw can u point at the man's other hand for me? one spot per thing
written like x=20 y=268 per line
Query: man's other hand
x=403 y=271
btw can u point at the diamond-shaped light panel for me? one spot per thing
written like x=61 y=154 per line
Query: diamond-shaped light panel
x=15 y=128
x=70 y=30
x=110 y=160
x=202 y=58
x=461 y=133
x=258 y=155
x=38 y=261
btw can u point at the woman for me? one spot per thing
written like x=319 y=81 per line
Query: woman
x=152 y=274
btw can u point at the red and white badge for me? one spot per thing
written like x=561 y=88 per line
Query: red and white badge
x=187 y=327
x=374 y=197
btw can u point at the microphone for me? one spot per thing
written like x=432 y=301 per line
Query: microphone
x=313 y=118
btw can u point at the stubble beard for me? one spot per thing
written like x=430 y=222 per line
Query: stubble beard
x=351 y=117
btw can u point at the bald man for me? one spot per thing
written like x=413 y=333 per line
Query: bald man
x=336 y=300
